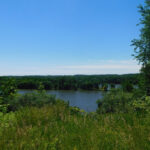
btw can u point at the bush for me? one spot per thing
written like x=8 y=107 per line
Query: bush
x=8 y=89
x=142 y=105
x=10 y=101
x=104 y=87
x=3 y=107
x=127 y=86
x=7 y=93
x=114 y=101
x=31 y=99
x=112 y=86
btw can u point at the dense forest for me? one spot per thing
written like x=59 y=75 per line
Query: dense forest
x=84 y=82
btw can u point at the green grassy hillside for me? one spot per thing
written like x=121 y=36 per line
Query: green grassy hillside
x=59 y=127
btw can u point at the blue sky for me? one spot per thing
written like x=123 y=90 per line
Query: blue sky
x=51 y=37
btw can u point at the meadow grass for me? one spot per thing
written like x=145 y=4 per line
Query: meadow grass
x=59 y=127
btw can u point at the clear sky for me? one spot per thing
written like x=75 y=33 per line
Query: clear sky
x=51 y=37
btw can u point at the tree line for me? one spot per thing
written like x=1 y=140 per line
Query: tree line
x=83 y=82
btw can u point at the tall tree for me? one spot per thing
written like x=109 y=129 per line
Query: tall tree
x=142 y=45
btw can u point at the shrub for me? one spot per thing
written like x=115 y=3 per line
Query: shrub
x=31 y=99
x=7 y=93
x=8 y=89
x=127 y=86
x=114 y=101
x=112 y=86
x=3 y=107
x=142 y=105
x=104 y=87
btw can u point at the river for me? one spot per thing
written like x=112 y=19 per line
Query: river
x=85 y=100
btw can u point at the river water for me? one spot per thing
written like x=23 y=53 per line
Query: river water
x=85 y=100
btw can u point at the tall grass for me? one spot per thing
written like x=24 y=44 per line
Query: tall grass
x=59 y=127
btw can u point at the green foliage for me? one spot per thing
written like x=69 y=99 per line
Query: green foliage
x=3 y=107
x=8 y=88
x=55 y=127
x=142 y=45
x=104 y=87
x=84 y=82
x=37 y=99
x=119 y=101
x=127 y=86
x=44 y=122
x=7 y=93
x=10 y=101
x=115 y=101
x=146 y=78
x=6 y=120
x=41 y=89
x=112 y=86
x=142 y=105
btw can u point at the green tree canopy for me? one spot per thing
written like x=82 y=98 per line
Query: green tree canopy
x=142 y=45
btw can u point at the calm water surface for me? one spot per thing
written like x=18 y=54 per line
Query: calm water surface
x=83 y=99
